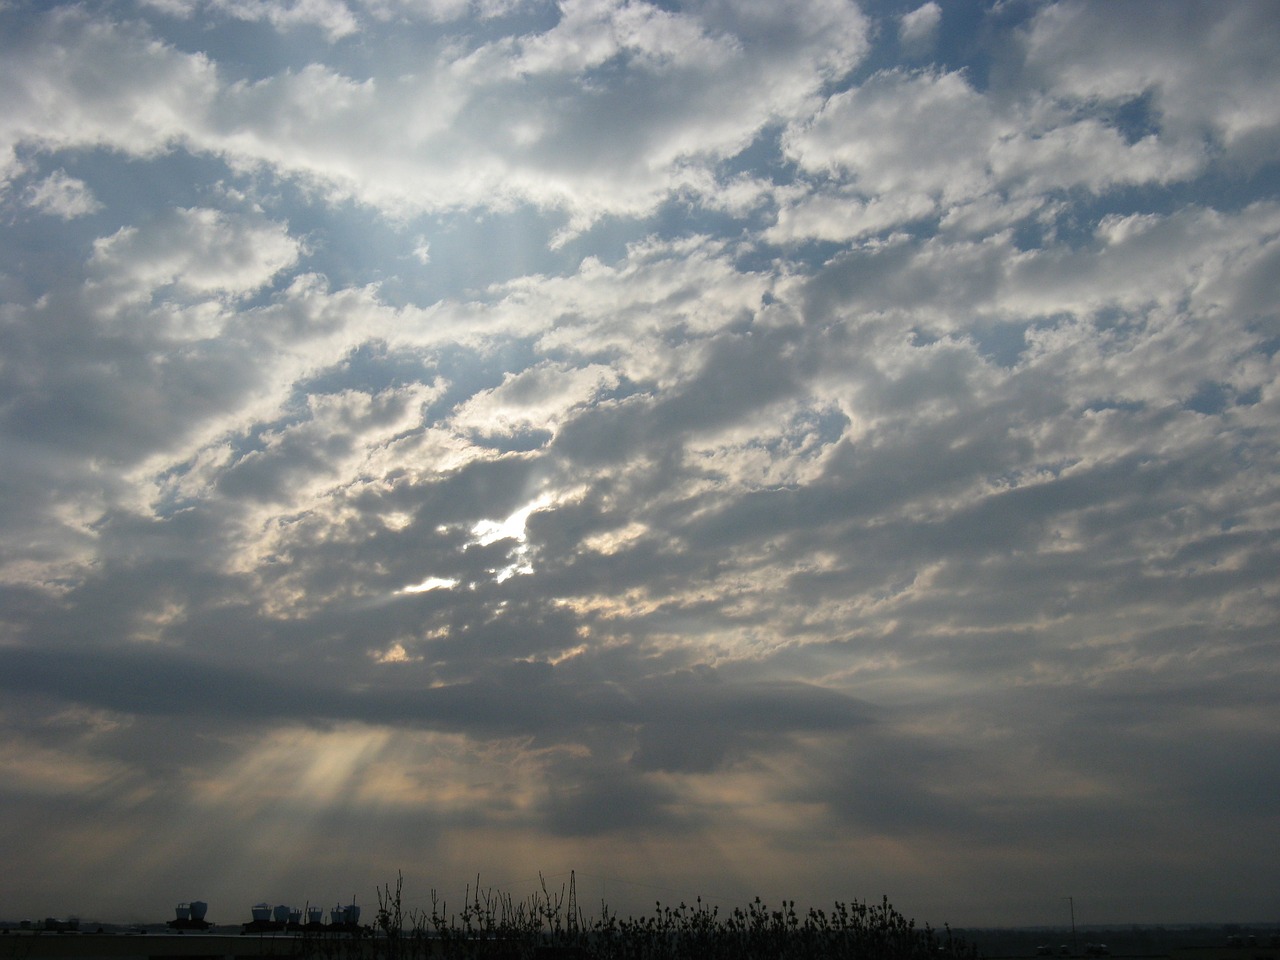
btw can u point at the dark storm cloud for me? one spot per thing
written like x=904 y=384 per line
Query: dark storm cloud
x=519 y=697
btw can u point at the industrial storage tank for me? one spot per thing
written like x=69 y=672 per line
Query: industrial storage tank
x=190 y=916
x=280 y=914
x=261 y=911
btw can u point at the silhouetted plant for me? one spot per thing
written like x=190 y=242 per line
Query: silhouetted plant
x=492 y=924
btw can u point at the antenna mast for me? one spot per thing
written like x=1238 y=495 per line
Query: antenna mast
x=573 y=903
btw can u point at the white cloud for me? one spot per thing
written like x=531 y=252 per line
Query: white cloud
x=627 y=311
x=463 y=130
x=1207 y=71
x=918 y=30
x=61 y=195
x=200 y=252
x=441 y=10
x=592 y=31
x=1092 y=155
x=80 y=82
x=927 y=133
x=332 y=16
x=537 y=398
x=823 y=216
x=1190 y=257
x=174 y=8
x=904 y=143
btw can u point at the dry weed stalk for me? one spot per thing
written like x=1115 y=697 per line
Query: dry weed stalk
x=491 y=924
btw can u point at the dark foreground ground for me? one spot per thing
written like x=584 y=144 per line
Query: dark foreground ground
x=95 y=942
x=1199 y=941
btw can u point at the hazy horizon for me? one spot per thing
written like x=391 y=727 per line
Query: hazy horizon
x=642 y=898
x=810 y=449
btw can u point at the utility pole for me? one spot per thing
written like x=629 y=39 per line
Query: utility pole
x=1075 y=948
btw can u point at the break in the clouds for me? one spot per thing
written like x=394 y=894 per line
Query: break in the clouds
x=799 y=449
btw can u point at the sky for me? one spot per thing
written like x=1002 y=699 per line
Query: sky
x=791 y=448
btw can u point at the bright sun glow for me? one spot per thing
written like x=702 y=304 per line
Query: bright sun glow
x=513 y=528
x=431 y=583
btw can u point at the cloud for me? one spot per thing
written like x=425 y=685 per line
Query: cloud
x=691 y=445
x=1093 y=51
x=333 y=17
x=536 y=399
x=436 y=125
x=200 y=252
x=67 y=87
x=62 y=196
x=917 y=30
x=903 y=147
x=591 y=32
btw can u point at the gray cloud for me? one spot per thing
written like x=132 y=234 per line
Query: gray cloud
x=823 y=453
